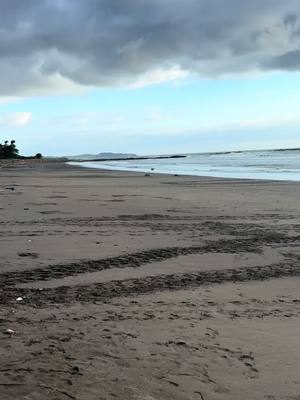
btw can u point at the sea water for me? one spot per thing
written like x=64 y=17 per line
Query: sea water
x=267 y=164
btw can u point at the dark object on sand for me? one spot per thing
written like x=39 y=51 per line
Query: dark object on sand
x=147 y=175
x=28 y=254
x=9 y=332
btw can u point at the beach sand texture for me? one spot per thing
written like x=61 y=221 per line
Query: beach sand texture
x=151 y=288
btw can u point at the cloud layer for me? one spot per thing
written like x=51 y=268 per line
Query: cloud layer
x=58 y=45
x=15 y=119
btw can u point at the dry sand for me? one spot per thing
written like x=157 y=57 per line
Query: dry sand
x=149 y=288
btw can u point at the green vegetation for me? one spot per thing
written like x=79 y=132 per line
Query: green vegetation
x=9 y=150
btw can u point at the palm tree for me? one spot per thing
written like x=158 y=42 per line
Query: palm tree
x=13 y=150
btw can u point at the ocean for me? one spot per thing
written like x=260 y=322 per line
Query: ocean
x=267 y=164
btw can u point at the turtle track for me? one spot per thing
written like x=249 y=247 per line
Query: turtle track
x=135 y=260
x=127 y=218
x=132 y=287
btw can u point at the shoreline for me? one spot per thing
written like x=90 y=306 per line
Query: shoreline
x=147 y=288
x=267 y=165
x=154 y=172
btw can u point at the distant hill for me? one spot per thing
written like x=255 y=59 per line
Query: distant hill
x=102 y=156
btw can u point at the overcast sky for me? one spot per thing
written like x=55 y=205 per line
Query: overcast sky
x=149 y=76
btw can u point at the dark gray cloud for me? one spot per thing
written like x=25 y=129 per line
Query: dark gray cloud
x=289 y=60
x=46 y=44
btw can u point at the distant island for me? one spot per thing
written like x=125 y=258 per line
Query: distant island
x=8 y=150
x=101 y=156
x=118 y=157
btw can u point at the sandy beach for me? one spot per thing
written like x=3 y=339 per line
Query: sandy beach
x=118 y=285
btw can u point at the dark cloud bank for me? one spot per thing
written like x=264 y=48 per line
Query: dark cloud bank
x=112 y=42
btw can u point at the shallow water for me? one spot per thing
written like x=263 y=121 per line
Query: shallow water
x=269 y=164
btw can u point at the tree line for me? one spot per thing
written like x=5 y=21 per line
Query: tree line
x=9 y=150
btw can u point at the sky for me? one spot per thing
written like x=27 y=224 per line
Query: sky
x=149 y=76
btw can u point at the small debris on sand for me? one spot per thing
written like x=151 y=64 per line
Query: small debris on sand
x=28 y=254
x=9 y=332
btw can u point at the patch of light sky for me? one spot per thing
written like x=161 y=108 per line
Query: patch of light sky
x=187 y=115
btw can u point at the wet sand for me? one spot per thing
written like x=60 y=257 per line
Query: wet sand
x=135 y=287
